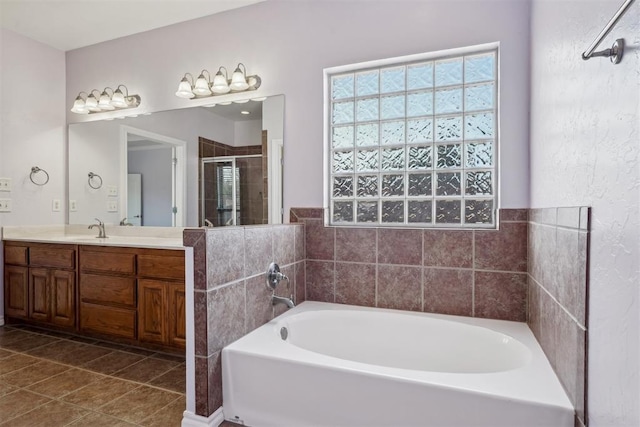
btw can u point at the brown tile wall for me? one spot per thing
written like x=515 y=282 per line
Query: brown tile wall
x=534 y=269
x=471 y=273
x=558 y=288
x=231 y=297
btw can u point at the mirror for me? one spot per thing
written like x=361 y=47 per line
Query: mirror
x=180 y=167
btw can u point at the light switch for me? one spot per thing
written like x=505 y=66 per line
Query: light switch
x=5 y=184
x=112 y=190
x=73 y=206
x=5 y=205
x=112 y=206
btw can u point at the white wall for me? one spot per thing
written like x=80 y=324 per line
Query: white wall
x=248 y=132
x=289 y=44
x=155 y=167
x=32 y=130
x=585 y=144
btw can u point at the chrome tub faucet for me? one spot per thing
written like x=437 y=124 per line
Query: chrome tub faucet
x=274 y=276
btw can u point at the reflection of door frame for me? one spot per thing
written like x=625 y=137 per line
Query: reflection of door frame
x=178 y=171
x=274 y=170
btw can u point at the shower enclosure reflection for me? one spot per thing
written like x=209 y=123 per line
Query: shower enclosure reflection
x=234 y=190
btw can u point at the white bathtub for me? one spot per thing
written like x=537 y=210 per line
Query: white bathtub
x=354 y=366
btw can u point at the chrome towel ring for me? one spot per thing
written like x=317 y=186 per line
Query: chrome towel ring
x=91 y=180
x=35 y=170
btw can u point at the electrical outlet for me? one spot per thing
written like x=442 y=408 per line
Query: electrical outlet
x=112 y=190
x=55 y=205
x=5 y=184
x=5 y=205
x=112 y=206
x=73 y=206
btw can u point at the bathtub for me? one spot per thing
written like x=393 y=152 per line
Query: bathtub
x=322 y=364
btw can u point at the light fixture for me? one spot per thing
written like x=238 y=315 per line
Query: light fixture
x=221 y=84
x=117 y=100
x=91 y=103
x=239 y=79
x=245 y=112
x=185 y=88
x=105 y=100
x=202 y=85
x=79 y=106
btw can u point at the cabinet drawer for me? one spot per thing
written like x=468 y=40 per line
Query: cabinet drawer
x=108 y=262
x=16 y=255
x=52 y=256
x=108 y=320
x=108 y=289
x=161 y=266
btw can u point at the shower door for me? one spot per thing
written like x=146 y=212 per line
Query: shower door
x=232 y=190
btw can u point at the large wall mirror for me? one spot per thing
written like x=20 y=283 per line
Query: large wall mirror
x=213 y=165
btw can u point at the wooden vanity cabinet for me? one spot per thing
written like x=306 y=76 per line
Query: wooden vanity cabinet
x=16 y=280
x=40 y=283
x=161 y=298
x=133 y=293
x=108 y=291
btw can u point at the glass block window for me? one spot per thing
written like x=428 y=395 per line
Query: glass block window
x=414 y=143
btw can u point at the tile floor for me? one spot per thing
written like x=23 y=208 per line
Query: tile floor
x=51 y=379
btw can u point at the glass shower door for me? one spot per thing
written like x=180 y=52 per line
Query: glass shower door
x=233 y=191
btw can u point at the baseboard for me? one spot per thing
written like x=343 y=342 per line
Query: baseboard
x=189 y=419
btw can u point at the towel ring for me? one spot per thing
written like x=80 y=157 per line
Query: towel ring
x=34 y=171
x=94 y=175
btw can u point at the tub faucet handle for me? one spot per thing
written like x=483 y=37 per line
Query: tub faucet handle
x=274 y=276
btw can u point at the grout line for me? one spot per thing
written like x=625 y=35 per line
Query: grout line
x=580 y=325
x=422 y=305
x=473 y=274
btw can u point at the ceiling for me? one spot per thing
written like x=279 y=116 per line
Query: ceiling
x=68 y=25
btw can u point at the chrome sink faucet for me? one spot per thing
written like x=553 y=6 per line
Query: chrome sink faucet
x=100 y=225
x=274 y=276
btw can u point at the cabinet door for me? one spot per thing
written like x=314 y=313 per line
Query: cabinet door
x=63 y=291
x=16 y=285
x=177 y=320
x=152 y=311
x=39 y=297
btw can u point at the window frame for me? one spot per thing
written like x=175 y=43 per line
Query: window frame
x=408 y=60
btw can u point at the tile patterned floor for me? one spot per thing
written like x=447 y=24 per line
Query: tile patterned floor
x=50 y=379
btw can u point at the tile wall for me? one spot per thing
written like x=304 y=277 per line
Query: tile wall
x=231 y=296
x=534 y=269
x=558 y=288
x=467 y=273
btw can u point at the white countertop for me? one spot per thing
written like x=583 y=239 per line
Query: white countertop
x=138 y=237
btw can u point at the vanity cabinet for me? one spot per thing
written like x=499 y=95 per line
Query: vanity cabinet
x=40 y=283
x=16 y=280
x=108 y=291
x=161 y=305
x=131 y=295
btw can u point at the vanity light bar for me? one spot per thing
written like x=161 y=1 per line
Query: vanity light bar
x=105 y=101
x=203 y=86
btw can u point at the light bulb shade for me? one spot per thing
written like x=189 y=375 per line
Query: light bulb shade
x=117 y=100
x=105 y=102
x=220 y=84
x=91 y=103
x=201 y=87
x=238 y=81
x=79 y=106
x=184 y=89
